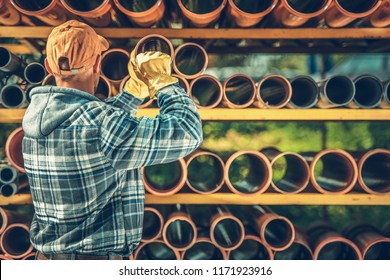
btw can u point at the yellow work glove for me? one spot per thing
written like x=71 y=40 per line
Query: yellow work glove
x=135 y=85
x=155 y=69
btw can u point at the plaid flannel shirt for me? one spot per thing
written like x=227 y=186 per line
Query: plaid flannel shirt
x=84 y=172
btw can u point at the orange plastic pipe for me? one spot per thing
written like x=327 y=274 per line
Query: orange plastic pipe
x=153 y=224
x=13 y=149
x=239 y=91
x=299 y=249
x=190 y=60
x=252 y=248
x=114 y=66
x=103 y=89
x=244 y=16
x=155 y=250
x=155 y=42
x=183 y=82
x=15 y=241
x=8 y=14
x=381 y=17
x=204 y=249
x=206 y=91
x=49 y=80
x=199 y=16
x=273 y=91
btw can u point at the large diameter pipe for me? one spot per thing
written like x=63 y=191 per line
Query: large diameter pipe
x=103 y=89
x=179 y=231
x=374 y=172
x=372 y=244
x=369 y=91
x=165 y=179
x=13 y=96
x=336 y=91
x=10 y=63
x=145 y=103
x=9 y=217
x=332 y=171
x=381 y=17
x=299 y=249
x=152 y=225
x=290 y=171
x=204 y=249
x=202 y=13
x=13 y=149
x=294 y=13
x=305 y=92
x=15 y=241
x=155 y=250
x=249 y=13
x=343 y=12
x=328 y=244
x=190 y=60
x=239 y=91
x=248 y=172
x=273 y=91
x=96 y=12
x=206 y=91
x=50 y=12
x=142 y=13
x=205 y=172
x=155 y=42
x=34 y=73
x=8 y=14
x=114 y=65
x=252 y=248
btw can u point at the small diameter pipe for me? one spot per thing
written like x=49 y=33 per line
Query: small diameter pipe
x=34 y=73
x=239 y=91
x=273 y=91
x=290 y=171
x=206 y=91
x=155 y=42
x=328 y=244
x=201 y=13
x=252 y=248
x=103 y=90
x=249 y=13
x=190 y=60
x=305 y=92
x=15 y=241
x=205 y=172
x=96 y=12
x=155 y=250
x=183 y=82
x=153 y=224
x=381 y=17
x=332 y=171
x=165 y=179
x=142 y=13
x=343 y=12
x=374 y=172
x=8 y=174
x=204 y=249
x=372 y=244
x=29 y=257
x=13 y=96
x=386 y=95
x=8 y=14
x=179 y=231
x=50 y=12
x=369 y=91
x=147 y=101
x=293 y=13
x=336 y=91
x=248 y=172
x=299 y=250
x=114 y=65
x=9 y=189
x=11 y=63
x=13 y=149
x=49 y=80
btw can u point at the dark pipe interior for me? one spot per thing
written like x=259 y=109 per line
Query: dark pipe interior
x=154 y=44
x=51 y=81
x=357 y=6
x=201 y=6
x=274 y=91
x=156 y=251
x=35 y=73
x=8 y=190
x=151 y=225
x=205 y=92
x=190 y=60
x=32 y=6
x=337 y=251
x=239 y=90
x=203 y=251
x=163 y=177
x=228 y=233
x=248 y=173
x=4 y=57
x=114 y=66
x=103 y=89
x=7 y=174
x=16 y=241
x=250 y=250
x=340 y=90
x=253 y=6
x=278 y=233
x=295 y=252
x=304 y=93
x=137 y=5
x=12 y=96
x=180 y=233
x=205 y=173
x=306 y=7
x=376 y=172
x=378 y=251
x=84 y=5
x=368 y=92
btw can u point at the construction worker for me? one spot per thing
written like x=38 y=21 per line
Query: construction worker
x=83 y=155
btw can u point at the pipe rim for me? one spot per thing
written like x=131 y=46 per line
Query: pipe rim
x=12 y=187
x=373 y=243
x=220 y=218
x=375 y=19
x=326 y=83
x=373 y=79
x=4 y=220
x=52 y=4
x=386 y=91
x=258 y=240
x=99 y=11
x=202 y=51
x=12 y=170
x=242 y=13
x=286 y=84
x=160 y=218
x=16 y=87
x=15 y=225
x=150 y=36
x=321 y=10
x=31 y=255
x=300 y=243
x=273 y=217
x=47 y=80
x=357 y=15
x=107 y=83
x=153 y=9
x=314 y=84
x=107 y=53
x=340 y=239
x=14 y=17
x=187 y=12
x=229 y=103
x=34 y=64
x=9 y=54
x=179 y=216
x=185 y=82
x=142 y=245
x=264 y=161
x=213 y=80
x=207 y=240
x=9 y=155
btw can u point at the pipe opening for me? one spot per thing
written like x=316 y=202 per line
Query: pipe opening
x=34 y=73
x=5 y=57
x=304 y=93
x=228 y=233
x=205 y=173
x=357 y=6
x=84 y=5
x=240 y=90
x=368 y=92
x=290 y=173
x=114 y=65
x=154 y=44
x=137 y=6
x=156 y=251
x=250 y=249
x=206 y=92
x=307 y=7
x=333 y=172
x=295 y=252
x=180 y=234
x=248 y=173
x=253 y=6
x=32 y=6
x=103 y=89
x=190 y=60
x=12 y=96
x=163 y=177
x=201 y=6
x=378 y=251
x=278 y=233
x=274 y=91
x=337 y=250
x=203 y=251
x=375 y=172
x=15 y=241
x=152 y=225
x=8 y=190
x=339 y=90
x=14 y=149
x=8 y=174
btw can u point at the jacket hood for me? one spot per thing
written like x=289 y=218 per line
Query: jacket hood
x=50 y=106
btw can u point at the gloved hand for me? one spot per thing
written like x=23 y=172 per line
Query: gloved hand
x=135 y=85
x=155 y=71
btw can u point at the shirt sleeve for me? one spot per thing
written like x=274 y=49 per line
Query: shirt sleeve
x=125 y=101
x=130 y=143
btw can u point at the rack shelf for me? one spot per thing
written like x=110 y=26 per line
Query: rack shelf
x=224 y=114
x=227 y=198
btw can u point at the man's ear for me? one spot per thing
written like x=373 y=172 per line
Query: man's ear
x=48 y=69
x=96 y=66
